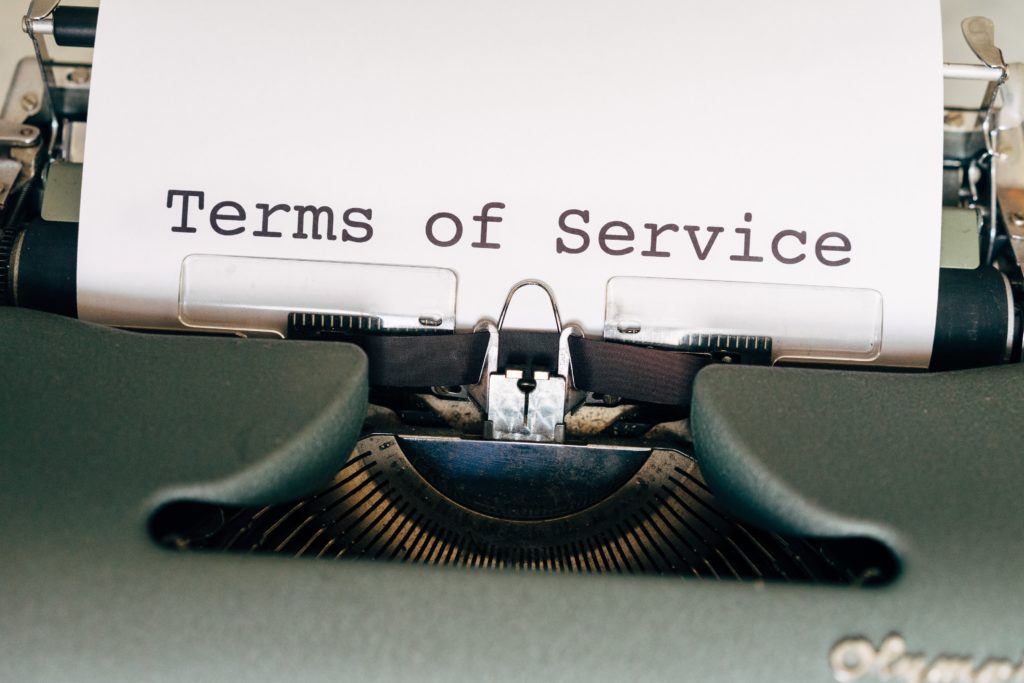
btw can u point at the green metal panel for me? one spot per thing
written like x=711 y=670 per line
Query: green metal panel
x=99 y=427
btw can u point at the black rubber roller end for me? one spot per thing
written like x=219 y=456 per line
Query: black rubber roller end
x=974 y=325
x=75 y=26
x=44 y=268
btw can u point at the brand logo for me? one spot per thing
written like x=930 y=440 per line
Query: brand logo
x=854 y=659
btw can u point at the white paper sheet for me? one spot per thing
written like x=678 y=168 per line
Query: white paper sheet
x=726 y=121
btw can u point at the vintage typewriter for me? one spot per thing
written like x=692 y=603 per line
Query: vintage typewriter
x=502 y=503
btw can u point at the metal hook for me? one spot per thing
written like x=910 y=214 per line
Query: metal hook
x=538 y=283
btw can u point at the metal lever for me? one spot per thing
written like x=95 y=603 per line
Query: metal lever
x=980 y=34
x=14 y=134
x=523 y=406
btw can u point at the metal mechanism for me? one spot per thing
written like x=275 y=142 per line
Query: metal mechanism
x=998 y=132
x=21 y=162
x=526 y=404
x=63 y=98
x=66 y=84
x=1002 y=132
x=983 y=171
x=42 y=121
x=608 y=511
x=20 y=137
x=10 y=169
x=1007 y=141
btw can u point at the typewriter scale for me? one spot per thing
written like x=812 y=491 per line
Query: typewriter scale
x=166 y=520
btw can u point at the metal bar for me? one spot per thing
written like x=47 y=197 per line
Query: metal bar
x=972 y=72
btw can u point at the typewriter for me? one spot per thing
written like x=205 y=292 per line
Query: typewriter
x=379 y=498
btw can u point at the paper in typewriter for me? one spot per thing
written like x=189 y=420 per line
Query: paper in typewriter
x=794 y=143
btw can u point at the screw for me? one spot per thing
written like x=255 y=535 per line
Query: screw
x=27 y=132
x=954 y=118
x=526 y=385
x=79 y=76
x=30 y=101
x=1017 y=218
